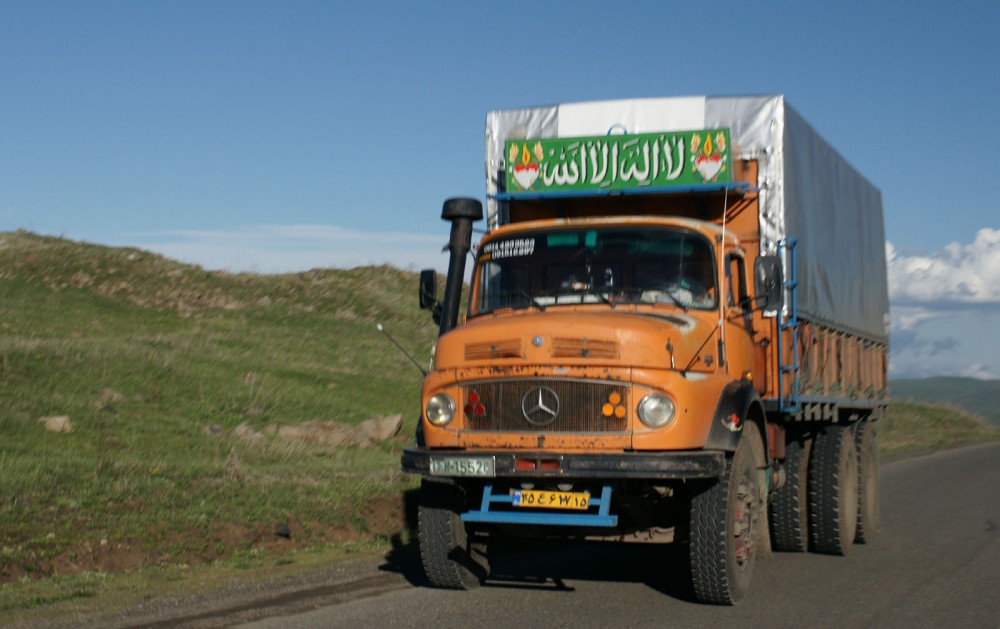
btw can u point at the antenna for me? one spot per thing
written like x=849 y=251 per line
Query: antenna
x=405 y=353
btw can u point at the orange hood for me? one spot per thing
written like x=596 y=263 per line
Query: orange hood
x=640 y=338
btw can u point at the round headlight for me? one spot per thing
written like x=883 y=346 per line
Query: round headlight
x=656 y=411
x=440 y=409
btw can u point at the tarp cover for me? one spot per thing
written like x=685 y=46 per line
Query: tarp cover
x=807 y=190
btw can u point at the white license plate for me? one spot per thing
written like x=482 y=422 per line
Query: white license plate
x=463 y=466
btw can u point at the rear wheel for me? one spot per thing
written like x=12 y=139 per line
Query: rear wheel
x=833 y=490
x=789 y=508
x=869 y=512
x=449 y=557
x=725 y=525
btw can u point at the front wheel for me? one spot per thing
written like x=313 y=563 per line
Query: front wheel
x=447 y=553
x=725 y=526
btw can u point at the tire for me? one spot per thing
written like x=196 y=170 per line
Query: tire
x=833 y=491
x=725 y=526
x=446 y=549
x=789 y=508
x=869 y=511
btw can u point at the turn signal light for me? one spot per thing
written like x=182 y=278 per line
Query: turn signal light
x=474 y=407
x=614 y=407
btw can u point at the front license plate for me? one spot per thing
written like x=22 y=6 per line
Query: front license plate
x=551 y=499
x=463 y=466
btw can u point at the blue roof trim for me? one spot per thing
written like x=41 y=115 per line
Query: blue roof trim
x=740 y=187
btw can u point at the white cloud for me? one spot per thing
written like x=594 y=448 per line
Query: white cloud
x=292 y=248
x=957 y=343
x=981 y=372
x=958 y=274
x=908 y=317
x=945 y=306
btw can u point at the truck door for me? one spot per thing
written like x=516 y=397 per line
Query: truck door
x=738 y=318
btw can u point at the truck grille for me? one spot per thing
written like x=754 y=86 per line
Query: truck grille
x=546 y=405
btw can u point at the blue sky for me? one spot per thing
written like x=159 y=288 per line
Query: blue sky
x=273 y=136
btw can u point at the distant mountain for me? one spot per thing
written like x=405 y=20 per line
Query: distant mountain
x=976 y=396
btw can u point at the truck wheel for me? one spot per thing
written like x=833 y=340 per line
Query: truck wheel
x=446 y=550
x=869 y=512
x=789 y=508
x=833 y=491
x=724 y=528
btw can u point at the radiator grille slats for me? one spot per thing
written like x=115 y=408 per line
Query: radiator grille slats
x=527 y=406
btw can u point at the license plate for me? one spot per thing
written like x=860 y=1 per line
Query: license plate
x=551 y=499
x=463 y=466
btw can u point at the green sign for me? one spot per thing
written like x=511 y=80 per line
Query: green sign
x=617 y=162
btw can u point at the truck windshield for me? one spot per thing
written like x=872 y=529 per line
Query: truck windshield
x=613 y=265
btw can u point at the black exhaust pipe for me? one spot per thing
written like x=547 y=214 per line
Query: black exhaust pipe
x=462 y=213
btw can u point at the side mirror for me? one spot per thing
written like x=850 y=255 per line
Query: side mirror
x=769 y=282
x=428 y=289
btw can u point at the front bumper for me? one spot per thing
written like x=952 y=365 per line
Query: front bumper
x=686 y=464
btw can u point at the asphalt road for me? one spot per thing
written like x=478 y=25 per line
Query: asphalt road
x=936 y=563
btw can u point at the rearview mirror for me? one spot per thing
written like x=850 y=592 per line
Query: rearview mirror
x=428 y=289
x=769 y=282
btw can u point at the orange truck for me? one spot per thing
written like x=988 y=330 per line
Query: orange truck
x=676 y=332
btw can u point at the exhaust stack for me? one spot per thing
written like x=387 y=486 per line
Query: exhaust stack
x=462 y=212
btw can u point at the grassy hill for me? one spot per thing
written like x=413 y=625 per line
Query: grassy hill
x=156 y=364
x=913 y=426
x=175 y=379
x=975 y=396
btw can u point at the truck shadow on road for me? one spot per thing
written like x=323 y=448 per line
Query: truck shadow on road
x=553 y=564
x=556 y=564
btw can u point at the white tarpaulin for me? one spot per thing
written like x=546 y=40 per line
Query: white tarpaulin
x=807 y=190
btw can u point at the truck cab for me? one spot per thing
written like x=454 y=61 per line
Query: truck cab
x=615 y=321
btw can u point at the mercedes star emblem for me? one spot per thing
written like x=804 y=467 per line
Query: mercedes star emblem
x=540 y=406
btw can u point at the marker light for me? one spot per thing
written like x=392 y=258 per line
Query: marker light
x=656 y=410
x=614 y=407
x=475 y=407
x=440 y=409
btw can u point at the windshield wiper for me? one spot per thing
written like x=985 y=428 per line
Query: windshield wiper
x=531 y=298
x=604 y=298
x=638 y=292
x=677 y=302
x=582 y=291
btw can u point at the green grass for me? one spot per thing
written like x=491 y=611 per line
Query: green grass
x=99 y=597
x=143 y=354
x=913 y=426
x=975 y=396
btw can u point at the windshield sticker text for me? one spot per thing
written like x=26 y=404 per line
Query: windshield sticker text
x=499 y=249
